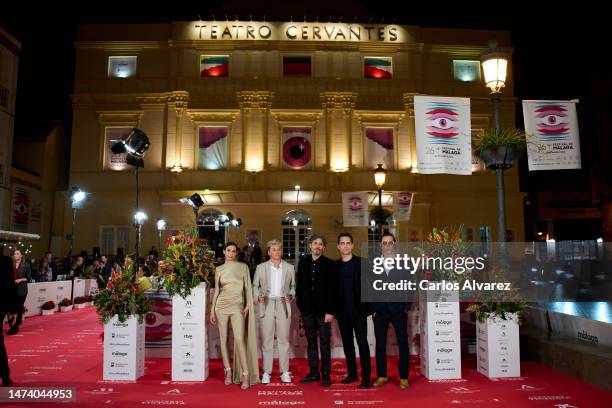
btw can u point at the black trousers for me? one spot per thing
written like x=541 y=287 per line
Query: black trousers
x=314 y=327
x=381 y=327
x=4 y=367
x=20 y=302
x=359 y=325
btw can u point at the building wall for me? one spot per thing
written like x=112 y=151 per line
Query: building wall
x=9 y=63
x=168 y=100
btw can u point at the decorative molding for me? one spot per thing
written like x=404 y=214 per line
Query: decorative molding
x=296 y=116
x=113 y=118
x=217 y=116
x=344 y=101
x=254 y=99
x=380 y=118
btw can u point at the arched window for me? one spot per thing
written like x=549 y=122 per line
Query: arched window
x=296 y=227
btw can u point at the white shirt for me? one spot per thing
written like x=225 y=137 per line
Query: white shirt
x=276 y=285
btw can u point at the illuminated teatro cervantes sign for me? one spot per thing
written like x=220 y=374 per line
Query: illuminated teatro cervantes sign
x=264 y=31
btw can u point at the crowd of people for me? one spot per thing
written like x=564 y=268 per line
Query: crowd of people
x=325 y=291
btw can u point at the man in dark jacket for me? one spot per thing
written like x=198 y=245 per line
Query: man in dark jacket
x=315 y=292
x=7 y=307
x=352 y=312
x=393 y=311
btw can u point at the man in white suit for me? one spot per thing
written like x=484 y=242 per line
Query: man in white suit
x=274 y=289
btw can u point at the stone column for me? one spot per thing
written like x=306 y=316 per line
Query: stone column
x=409 y=107
x=254 y=112
x=177 y=103
x=337 y=112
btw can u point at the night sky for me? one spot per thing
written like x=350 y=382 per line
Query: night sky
x=556 y=49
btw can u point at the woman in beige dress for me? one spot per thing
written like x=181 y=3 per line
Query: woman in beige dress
x=233 y=302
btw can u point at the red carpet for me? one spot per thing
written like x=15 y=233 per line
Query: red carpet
x=66 y=350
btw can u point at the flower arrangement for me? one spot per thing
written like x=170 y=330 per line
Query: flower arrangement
x=50 y=305
x=445 y=243
x=188 y=261
x=122 y=297
x=79 y=300
x=65 y=302
x=88 y=298
x=497 y=303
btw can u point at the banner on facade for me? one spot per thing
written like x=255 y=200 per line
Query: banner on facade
x=355 y=209
x=552 y=127
x=443 y=135
x=402 y=205
x=26 y=212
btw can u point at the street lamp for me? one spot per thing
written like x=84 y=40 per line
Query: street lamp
x=77 y=198
x=380 y=176
x=161 y=226
x=139 y=219
x=494 y=66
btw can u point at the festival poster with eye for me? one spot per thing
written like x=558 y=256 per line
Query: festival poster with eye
x=355 y=209
x=402 y=205
x=443 y=135
x=552 y=129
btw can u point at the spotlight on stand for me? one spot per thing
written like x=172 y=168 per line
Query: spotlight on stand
x=77 y=198
x=161 y=225
x=135 y=145
x=195 y=201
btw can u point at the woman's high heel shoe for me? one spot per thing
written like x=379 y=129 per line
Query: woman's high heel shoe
x=245 y=381
x=228 y=376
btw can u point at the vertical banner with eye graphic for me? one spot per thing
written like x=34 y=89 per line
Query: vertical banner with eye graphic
x=552 y=127
x=297 y=147
x=26 y=213
x=355 y=209
x=402 y=205
x=443 y=135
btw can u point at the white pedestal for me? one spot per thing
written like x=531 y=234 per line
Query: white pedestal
x=498 y=353
x=123 y=349
x=440 y=338
x=189 y=348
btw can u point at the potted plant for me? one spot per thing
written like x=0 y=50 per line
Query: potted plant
x=89 y=300
x=65 y=305
x=187 y=263
x=79 y=302
x=438 y=303
x=499 y=147
x=187 y=266
x=48 y=308
x=498 y=316
x=122 y=307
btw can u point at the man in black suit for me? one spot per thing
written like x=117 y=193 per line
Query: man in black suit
x=352 y=312
x=391 y=312
x=8 y=307
x=315 y=293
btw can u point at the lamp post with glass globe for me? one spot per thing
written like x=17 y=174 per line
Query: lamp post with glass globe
x=380 y=177
x=494 y=66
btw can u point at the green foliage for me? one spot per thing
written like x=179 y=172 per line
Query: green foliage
x=493 y=138
x=444 y=243
x=497 y=303
x=188 y=262
x=122 y=297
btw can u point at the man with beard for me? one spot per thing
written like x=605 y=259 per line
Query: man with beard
x=315 y=291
